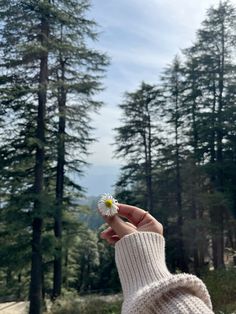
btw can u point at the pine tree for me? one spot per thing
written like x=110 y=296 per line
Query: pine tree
x=194 y=126
x=137 y=140
x=25 y=67
x=214 y=50
x=46 y=63
x=76 y=72
x=173 y=111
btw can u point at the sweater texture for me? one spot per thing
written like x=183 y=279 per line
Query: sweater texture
x=148 y=287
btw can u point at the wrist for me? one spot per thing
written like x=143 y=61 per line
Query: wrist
x=140 y=260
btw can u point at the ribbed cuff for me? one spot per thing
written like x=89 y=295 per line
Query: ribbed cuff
x=140 y=260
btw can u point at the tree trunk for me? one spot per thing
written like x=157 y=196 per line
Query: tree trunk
x=65 y=273
x=218 y=240
x=147 y=138
x=202 y=245
x=216 y=212
x=219 y=156
x=150 y=188
x=194 y=210
x=35 y=295
x=19 y=287
x=217 y=216
x=195 y=230
x=57 y=278
x=181 y=258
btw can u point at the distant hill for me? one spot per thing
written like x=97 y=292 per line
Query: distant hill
x=91 y=216
x=100 y=179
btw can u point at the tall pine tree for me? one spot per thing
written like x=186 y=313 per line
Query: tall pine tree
x=138 y=140
x=76 y=77
x=49 y=79
x=173 y=111
x=214 y=50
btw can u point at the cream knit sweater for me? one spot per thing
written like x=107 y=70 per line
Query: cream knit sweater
x=148 y=286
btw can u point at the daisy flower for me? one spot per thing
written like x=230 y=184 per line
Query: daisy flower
x=107 y=205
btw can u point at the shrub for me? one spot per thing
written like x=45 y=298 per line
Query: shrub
x=86 y=305
x=222 y=288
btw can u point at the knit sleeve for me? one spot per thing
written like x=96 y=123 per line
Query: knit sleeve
x=148 y=286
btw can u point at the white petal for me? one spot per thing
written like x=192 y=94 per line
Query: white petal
x=107 y=211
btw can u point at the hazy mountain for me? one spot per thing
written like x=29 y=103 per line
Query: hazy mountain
x=100 y=179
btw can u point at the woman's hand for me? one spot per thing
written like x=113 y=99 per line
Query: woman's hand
x=139 y=221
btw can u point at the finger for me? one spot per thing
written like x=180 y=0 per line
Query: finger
x=120 y=227
x=153 y=226
x=135 y=215
x=112 y=240
x=130 y=224
x=107 y=233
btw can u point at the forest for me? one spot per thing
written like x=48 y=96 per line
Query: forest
x=176 y=140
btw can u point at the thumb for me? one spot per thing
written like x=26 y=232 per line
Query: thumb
x=120 y=227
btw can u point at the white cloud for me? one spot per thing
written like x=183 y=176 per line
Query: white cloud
x=102 y=150
x=141 y=37
x=139 y=56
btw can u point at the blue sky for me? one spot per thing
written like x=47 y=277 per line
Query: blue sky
x=141 y=37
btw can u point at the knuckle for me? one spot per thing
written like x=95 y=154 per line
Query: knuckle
x=160 y=228
x=157 y=227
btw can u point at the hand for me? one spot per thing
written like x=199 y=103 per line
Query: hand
x=139 y=220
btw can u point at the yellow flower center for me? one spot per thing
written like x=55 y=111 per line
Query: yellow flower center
x=108 y=203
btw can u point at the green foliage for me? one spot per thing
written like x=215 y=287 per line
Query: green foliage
x=108 y=279
x=14 y=284
x=222 y=288
x=49 y=77
x=137 y=141
x=90 y=263
x=87 y=305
